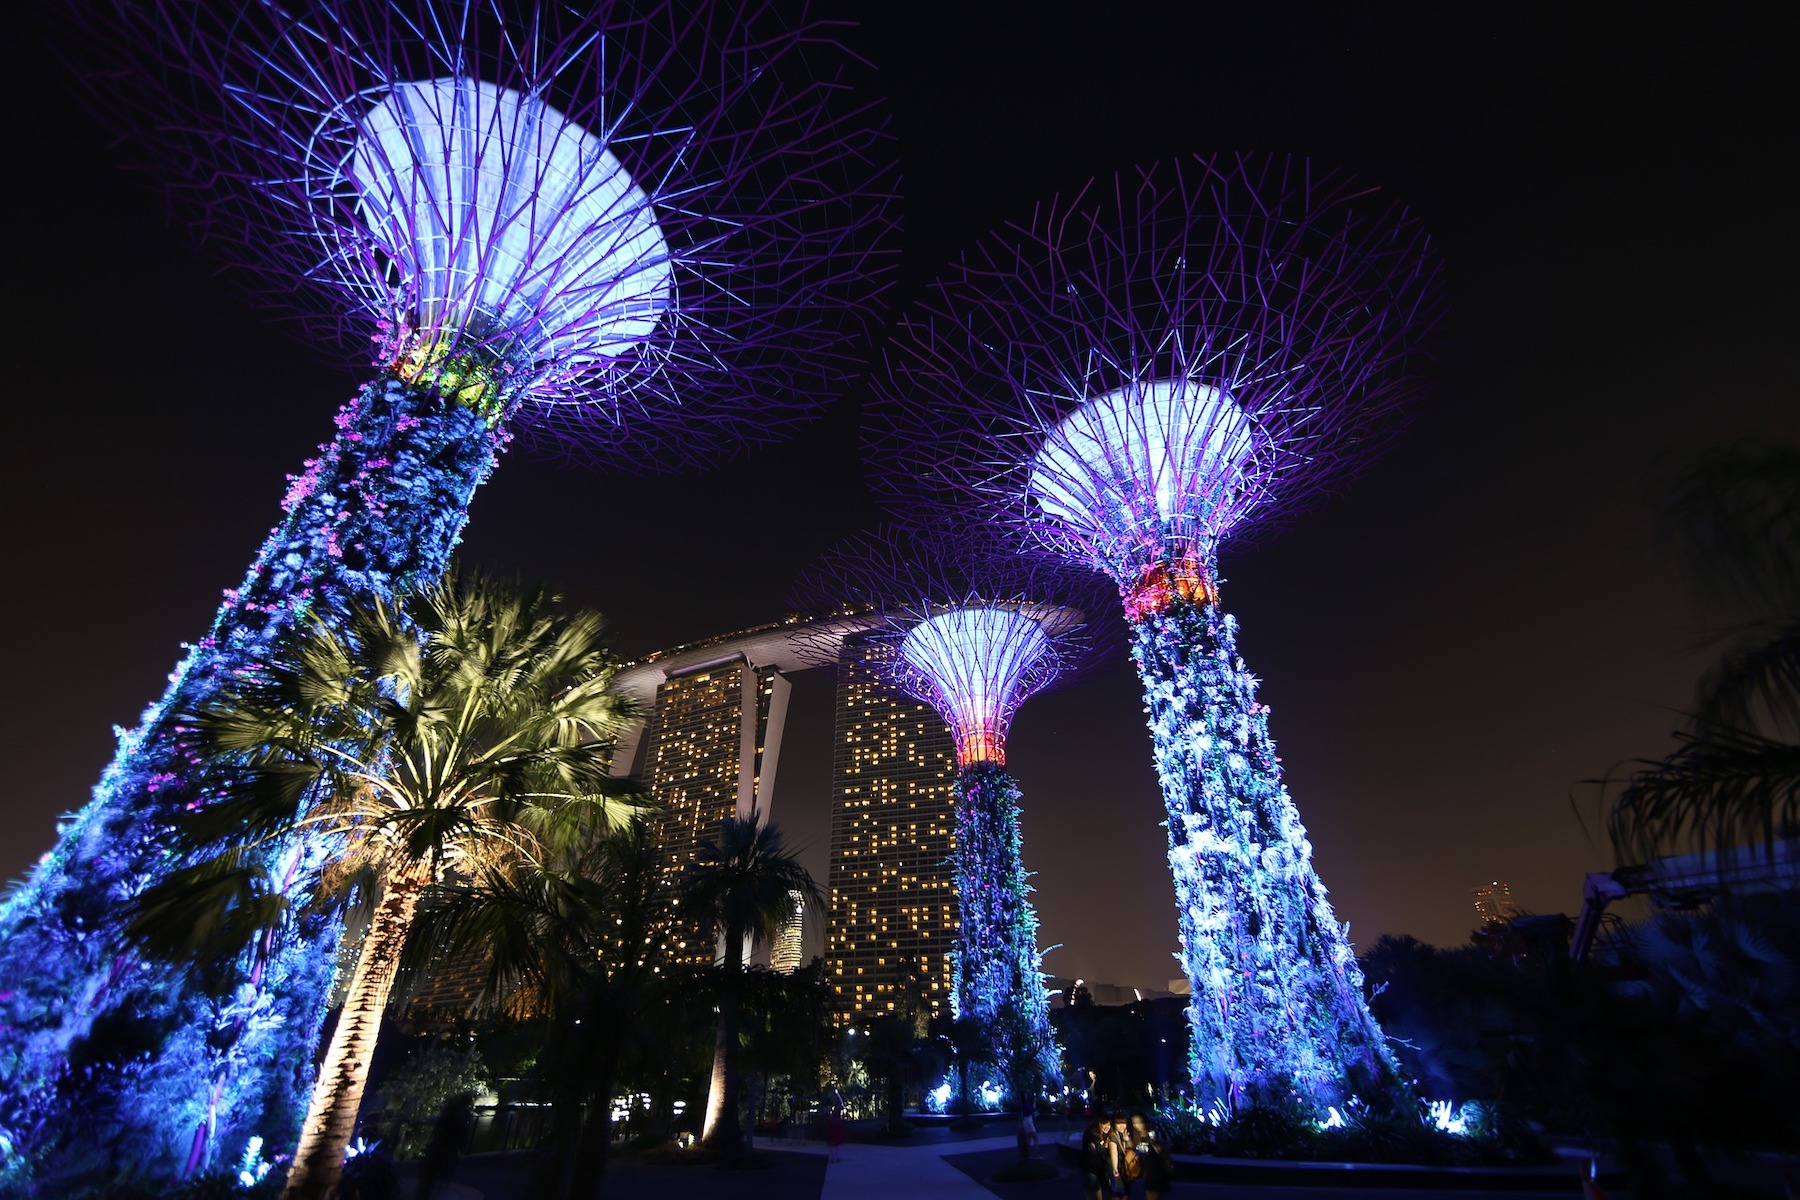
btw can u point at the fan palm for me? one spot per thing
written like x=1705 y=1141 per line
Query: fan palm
x=743 y=880
x=461 y=729
x=1736 y=775
x=567 y=932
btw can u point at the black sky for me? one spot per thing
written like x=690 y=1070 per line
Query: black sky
x=1477 y=625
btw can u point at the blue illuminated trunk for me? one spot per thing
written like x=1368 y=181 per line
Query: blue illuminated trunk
x=1277 y=1008
x=995 y=969
x=93 y=1040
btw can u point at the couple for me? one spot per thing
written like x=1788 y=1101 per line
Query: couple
x=1118 y=1150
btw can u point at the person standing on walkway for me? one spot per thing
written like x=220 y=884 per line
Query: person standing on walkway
x=835 y=1134
x=1122 y=1158
x=1152 y=1156
x=1096 y=1156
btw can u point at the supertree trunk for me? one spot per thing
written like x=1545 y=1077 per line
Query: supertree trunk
x=1277 y=1009
x=379 y=509
x=995 y=975
x=338 y=1095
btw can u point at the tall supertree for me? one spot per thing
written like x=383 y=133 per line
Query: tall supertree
x=1128 y=378
x=641 y=233
x=969 y=626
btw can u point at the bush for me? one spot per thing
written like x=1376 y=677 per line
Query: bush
x=371 y=1175
x=1393 y=1135
x=1397 y=1133
x=1183 y=1132
x=1273 y=1132
x=414 y=1095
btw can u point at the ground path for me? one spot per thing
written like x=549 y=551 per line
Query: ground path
x=935 y=1169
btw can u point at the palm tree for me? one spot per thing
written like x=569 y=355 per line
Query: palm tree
x=1735 y=776
x=892 y=1051
x=459 y=730
x=744 y=880
x=569 y=938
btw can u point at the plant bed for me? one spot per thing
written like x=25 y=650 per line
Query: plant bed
x=1030 y=1171
x=1000 y=1172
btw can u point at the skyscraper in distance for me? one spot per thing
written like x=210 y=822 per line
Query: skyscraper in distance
x=1494 y=902
x=708 y=748
x=894 y=913
x=790 y=943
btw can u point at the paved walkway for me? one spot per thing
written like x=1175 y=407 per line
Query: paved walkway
x=799 y=1171
x=870 y=1172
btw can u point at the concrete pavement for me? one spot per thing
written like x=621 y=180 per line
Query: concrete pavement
x=872 y=1172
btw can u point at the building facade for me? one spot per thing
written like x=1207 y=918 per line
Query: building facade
x=893 y=911
x=790 y=944
x=1494 y=903
x=708 y=749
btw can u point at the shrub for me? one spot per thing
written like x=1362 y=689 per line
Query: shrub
x=1267 y=1132
x=370 y=1175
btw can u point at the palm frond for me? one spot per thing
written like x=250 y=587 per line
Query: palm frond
x=1721 y=788
x=1735 y=515
x=1757 y=683
x=209 y=912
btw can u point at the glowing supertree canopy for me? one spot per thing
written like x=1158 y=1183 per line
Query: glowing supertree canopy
x=653 y=226
x=975 y=664
x=970 y=626
x=506 y=215
x=643 y=233
x=1128 y=378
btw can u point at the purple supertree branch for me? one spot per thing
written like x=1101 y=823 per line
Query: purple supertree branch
x=1128 y=379
x=1303 y=295
x=759 y=161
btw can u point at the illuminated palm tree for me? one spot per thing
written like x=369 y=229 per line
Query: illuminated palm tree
x=744 y=879
x=456 y=732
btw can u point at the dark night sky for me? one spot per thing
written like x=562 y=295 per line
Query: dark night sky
x=1480 y=622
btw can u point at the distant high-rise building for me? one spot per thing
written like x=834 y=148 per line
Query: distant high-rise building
x=1494 y=902
x=791 y=941
x=708 y=748
x=893 y=893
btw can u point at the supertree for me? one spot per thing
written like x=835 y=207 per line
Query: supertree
x=963 y=622
x=641 y=233
x=1126 y=379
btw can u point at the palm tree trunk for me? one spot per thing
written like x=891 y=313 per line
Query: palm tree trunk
x=596 y=1130
x=721 y=1133
x=336 y=1098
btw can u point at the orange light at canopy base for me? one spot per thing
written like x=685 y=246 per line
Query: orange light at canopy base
x=981 y=745
x=1161 y=584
